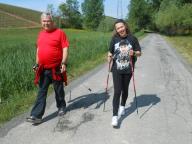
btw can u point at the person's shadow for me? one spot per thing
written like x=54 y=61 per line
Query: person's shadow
x=84 y=101
x=88 y=100
x=142 y=100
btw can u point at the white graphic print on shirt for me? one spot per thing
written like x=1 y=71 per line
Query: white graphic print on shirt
x=122 y=54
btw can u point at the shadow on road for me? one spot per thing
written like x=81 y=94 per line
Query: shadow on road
x=84 y=101
x=142 y=101
x=49 y=117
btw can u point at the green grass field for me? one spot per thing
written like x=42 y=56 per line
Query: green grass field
x=183 y=44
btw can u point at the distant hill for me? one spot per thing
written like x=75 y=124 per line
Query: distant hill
x=13 y=16
x=106 y=24
x=18 y=17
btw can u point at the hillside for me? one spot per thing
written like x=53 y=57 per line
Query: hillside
x=13 y=16
x=107 y=24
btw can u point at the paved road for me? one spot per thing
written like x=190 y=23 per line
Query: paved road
x=164 y=92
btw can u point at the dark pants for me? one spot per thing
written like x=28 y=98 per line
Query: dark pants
x=121 y=86
x=40 y=104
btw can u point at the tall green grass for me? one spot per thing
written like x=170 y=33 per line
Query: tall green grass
x=86 y=48
x=17 y=56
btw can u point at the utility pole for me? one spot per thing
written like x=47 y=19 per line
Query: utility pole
x=119 y=9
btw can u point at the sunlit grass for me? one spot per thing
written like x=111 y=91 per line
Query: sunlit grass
x=183 y=44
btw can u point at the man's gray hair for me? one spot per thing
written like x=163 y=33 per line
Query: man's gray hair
x=47 y=14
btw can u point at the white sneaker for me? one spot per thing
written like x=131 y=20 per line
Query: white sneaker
x=114 y=121
x=121 y=111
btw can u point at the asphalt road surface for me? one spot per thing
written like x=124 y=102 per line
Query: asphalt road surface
x=164 y=96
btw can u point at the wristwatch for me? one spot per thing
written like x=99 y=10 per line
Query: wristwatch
x=63 y=63
x=35 y=66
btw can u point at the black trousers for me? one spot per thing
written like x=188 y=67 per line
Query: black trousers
x=121 y=86
x=45 y=80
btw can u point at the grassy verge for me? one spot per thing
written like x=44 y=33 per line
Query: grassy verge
x=17 y=56
x=183 y=44
x=140 y=34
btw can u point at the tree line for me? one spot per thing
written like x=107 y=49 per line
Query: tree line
x=167 y=16
x=69 y=16
x=90 y=16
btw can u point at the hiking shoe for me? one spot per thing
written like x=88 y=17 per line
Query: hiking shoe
x=34 y=120
x=121 y=111
x=61 y=111
x=114 y=121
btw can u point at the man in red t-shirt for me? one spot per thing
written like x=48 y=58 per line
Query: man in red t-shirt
x=51 y=60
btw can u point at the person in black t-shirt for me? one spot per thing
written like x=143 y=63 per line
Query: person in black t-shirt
x=123 y=47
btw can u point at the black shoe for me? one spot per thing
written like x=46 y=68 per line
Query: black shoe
x=34 y=120
x=61 y=111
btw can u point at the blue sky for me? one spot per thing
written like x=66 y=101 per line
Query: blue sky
x=111 y=6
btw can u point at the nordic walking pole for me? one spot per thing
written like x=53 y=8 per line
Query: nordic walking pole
x=107 y=82
x=132 y=71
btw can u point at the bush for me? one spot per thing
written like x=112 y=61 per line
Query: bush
x=175 y=20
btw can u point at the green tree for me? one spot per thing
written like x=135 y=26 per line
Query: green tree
x=182 y=2
x=50 y=9
x=153 y=8
x=174 y=18
x=70 y=13
x=93 y=13
x=139 y=15
x=168 y=16
x=154 y=4
x=165 y=4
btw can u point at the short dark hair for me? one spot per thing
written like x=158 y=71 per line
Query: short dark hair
x=119 y=21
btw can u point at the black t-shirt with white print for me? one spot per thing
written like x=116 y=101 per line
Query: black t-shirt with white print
x=120 y=48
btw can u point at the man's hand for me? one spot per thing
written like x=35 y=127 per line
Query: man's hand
x=35 y=67
x=63 y=68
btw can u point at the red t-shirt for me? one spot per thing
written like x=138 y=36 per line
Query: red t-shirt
x=50 y=47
